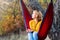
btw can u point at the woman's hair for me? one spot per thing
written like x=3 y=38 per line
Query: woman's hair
x=39 y=17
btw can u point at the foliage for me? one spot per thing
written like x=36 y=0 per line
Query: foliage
x=12 y=18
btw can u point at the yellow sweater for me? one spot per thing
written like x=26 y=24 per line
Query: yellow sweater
x=35 y=26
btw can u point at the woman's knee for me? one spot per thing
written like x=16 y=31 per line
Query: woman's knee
x=30 y=36
x=35 y=35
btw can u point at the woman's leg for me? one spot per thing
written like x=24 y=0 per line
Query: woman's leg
x=30 y=36
x=35 y=35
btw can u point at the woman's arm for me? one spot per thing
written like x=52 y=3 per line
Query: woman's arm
x=38 y=25
x=32 y=25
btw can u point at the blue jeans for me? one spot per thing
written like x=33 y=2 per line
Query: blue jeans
x=33 y=36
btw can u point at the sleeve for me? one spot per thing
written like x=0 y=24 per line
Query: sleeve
x=32 y=25
x=38 y=26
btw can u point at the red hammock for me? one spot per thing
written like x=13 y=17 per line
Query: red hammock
x=47 y=20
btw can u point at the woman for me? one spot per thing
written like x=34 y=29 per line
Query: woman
x=34 y=25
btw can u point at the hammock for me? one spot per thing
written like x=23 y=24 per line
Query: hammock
x=47 y=20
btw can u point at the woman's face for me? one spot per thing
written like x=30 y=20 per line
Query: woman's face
x=35 y=14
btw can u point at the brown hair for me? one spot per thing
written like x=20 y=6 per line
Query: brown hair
x=39 y=15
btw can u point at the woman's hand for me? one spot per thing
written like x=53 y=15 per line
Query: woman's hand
x=29 y=30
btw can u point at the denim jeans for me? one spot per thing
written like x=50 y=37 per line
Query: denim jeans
x=32 y=36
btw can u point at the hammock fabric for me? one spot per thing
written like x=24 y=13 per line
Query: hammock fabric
x=47 y=20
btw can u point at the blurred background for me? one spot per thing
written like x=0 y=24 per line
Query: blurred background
x=12 y=22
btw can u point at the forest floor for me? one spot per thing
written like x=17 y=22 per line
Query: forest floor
x=21 y=36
